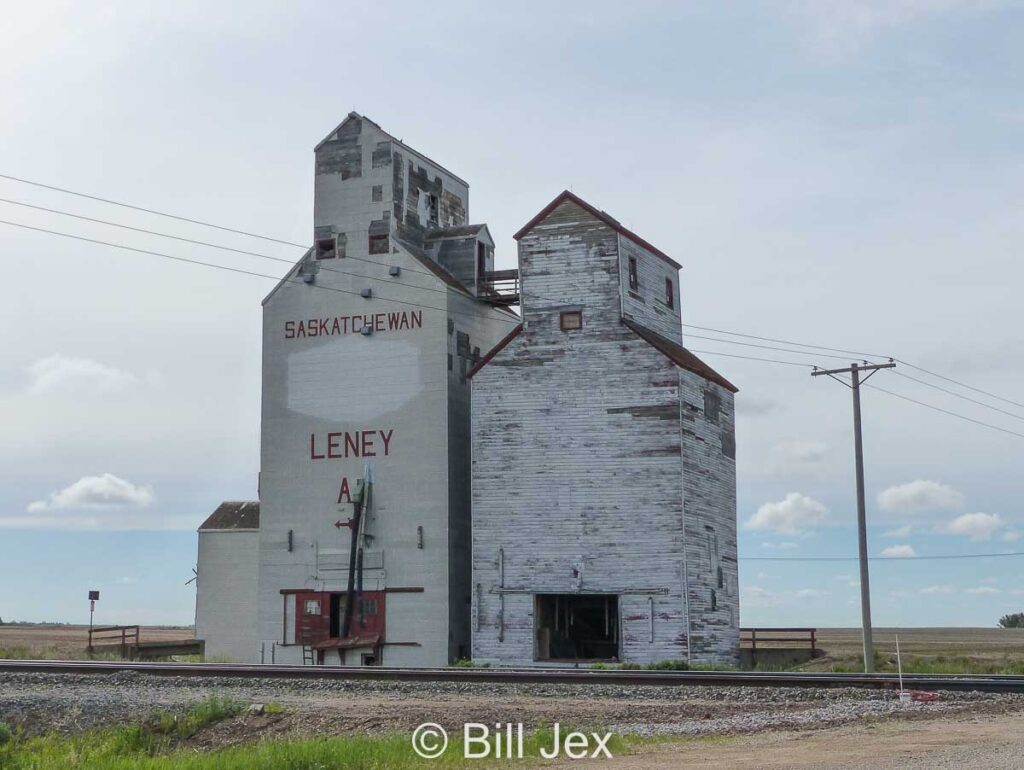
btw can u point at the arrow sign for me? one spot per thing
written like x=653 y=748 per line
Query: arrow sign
x=339 y=524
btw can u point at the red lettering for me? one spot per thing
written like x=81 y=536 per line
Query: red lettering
x=289 y=329
x=378 y=322
x=312 y=328
x=312 y=448
x=386 y=439
x=301 y=331
x=333 y=445
x=393 y=320
x=367 y=437
x=405 y=320
x=335 y=329
x=356 y=325
x=417 y=319
x=323 y=327
x=351 y=445
x=343 y=493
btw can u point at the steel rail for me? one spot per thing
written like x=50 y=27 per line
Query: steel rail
x=993 y=683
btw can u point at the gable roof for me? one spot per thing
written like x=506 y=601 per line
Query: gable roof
x=613 y=223
x=356 y=115
x=680 y=355
x=233 y=515
x=493 y=352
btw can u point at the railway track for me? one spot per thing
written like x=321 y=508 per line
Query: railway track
x=993 y=683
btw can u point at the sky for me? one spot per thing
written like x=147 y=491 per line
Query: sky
x=845 y=174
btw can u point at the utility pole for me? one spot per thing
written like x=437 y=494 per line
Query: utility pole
x=854 y=370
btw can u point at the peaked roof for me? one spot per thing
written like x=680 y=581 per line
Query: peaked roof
x=680 y=355
x=613 y=223
x=494 y=351
x=356 y=115
x=233 y=515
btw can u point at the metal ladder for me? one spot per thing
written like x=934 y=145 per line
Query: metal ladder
x=307 y=656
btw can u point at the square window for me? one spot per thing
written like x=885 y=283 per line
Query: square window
x=326 y=248
x=670 y=294
x=377 y=193
x=571 y=320
x=634 y=278
x=379 y=244
x=311 y=607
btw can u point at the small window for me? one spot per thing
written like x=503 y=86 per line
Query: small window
x=634 y=279
x=326 y=248
x=571 y=320
x=379 y=244
x=368 y=659
x=377 y=193
x=721 y=578
x=311 y=607
x=712 y=405
x=670 y=294
x=369 y=606
x=714 y=600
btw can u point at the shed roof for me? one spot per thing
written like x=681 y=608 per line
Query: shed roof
x=680 y=355
x=609 y=220
x=233 y=515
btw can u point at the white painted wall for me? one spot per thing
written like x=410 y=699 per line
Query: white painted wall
x=226 y=594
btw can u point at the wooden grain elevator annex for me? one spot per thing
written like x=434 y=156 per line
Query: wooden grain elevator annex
x=604 y=479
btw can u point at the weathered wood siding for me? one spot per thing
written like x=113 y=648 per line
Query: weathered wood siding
x=584 y=450
x=646 y=304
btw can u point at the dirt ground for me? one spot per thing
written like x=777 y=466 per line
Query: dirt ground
x=70 y=641
x=990 y=742
x=995 y=643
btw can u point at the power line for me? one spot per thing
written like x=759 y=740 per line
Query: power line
x=961 y=384
x=752 y=358
x=289 y=262
x=883 y=558
x=151 y=211
x=785 y=342
x=946 y=411
x=238 y=270
x=765 y=347
x=959 y=395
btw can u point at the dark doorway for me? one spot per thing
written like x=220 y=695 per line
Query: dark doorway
x=337 y=614
x=577 y=627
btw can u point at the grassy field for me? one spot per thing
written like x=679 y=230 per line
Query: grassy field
x=68 y=642
x=926 y=650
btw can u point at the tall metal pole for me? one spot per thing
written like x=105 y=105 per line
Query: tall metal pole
x=862 y=526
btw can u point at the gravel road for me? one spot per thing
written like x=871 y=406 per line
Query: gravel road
x=40 y=702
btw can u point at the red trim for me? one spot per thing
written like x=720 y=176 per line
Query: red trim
x=679 y=355
x=568 y=196
x=494 y=351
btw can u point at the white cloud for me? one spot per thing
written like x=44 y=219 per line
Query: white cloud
x=977 y=526
x=754 y=407
x=838 y=28
x=899 y=532
x=59 y=373
x=920 y=496
x=786 y=546
x=791 y=516
x=937 y=590
x=95 y=492
x=755 y=596
x=1011 y=536
x=983 y=590
x=791 y=457
x=127 y=581
x=899 y=552
x=812 y=593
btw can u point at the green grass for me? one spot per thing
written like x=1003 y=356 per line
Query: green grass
x=148 y=747
x=940 y=664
